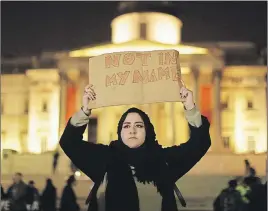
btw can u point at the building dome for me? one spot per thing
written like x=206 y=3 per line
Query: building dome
x=153 y=21
x=140 y=6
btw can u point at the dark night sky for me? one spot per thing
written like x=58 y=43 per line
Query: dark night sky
x=31 y=27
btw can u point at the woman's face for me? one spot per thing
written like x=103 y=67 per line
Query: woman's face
x=133 y=131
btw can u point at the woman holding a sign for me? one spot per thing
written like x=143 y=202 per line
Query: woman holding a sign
x=135 y=173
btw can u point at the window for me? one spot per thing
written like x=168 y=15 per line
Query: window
x=225 y=99
x=226 y=142
x=43 y=143
x=143 y=33
x=26 y=107
x=92 y=130
x=251 y=144
x=44 y=107
x=249 y=104
x=224 y=105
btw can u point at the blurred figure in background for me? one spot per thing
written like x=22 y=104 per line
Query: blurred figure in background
x=4 y=205
x=257 y=196
x=49 y=197
x=68 y=198
x=32 y=197
x=55 y=161
x=17 y=194
x=229 y=199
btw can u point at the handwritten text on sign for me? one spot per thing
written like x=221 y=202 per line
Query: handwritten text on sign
x=144 y=75
x=133 y=77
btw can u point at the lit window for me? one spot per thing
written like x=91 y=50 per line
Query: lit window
x=44 y=107
x=224 y=105
x=249 y=104
x=226 y=142
x=225 y=101
x=251 y=144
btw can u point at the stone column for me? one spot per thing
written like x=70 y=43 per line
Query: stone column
x=195 y=76
x=63 y=93
x=217 y=145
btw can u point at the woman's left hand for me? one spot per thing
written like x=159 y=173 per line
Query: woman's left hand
x=187 y=97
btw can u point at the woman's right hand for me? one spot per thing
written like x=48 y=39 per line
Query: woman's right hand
x=89 y=95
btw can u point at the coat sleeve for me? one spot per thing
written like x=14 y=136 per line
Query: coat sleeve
x=182 y=158
x=90 y=158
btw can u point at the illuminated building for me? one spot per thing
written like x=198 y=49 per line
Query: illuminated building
x=227 y=79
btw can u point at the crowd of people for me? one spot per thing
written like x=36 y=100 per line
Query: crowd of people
x=25 y=197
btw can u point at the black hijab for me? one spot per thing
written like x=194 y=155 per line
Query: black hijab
x=146 y=158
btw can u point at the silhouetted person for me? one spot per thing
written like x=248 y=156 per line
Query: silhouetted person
x=68 y=198
x=4 y=205
x=32 y=196
x=247 y=167
x=257 y=197
x=49 y=197
x=252 y=179
x=229 y=199
x=3 y=194
x=55 y=161
x=16 y=194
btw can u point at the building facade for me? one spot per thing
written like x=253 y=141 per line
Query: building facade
x=39 y=94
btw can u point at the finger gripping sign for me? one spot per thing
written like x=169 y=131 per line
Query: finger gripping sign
x=124 y=78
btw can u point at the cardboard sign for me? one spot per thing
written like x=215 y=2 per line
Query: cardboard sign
x=124 y=78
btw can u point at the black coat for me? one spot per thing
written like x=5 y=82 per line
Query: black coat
x=92 y=158
x=49 y=199
x=68 y=200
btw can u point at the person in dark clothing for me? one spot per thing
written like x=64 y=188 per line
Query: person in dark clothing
x=257 y=197
x=252 y=179
x=4 y=205
x=68 y=199
x=32 y=196
x=136 y=161
x=16 y=193
x=55 y=161
x=229 y=199
x=49 y=197
x=247 y=167
x=3 y=194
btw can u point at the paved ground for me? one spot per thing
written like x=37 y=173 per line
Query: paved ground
x=84 y=208
x=190 y=208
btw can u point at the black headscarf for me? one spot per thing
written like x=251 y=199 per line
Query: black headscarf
x=146 y=159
